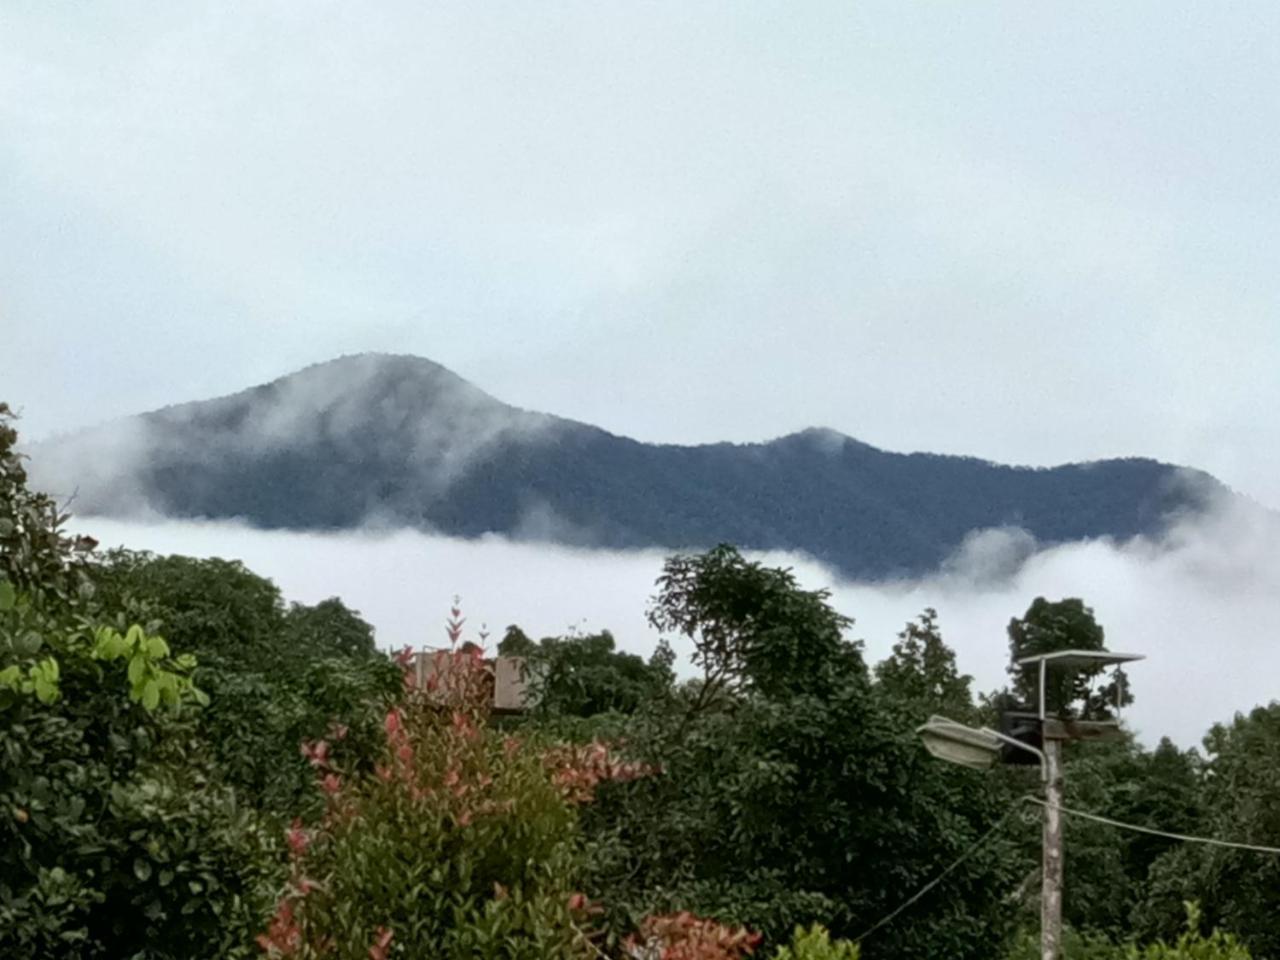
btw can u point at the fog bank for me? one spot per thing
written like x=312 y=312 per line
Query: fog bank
x=1202 y=603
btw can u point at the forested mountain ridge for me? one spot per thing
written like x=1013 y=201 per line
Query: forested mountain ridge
x=402 y=441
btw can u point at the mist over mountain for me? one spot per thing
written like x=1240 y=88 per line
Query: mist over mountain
x=401 y=441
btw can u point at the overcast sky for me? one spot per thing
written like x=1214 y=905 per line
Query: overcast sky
x=1031 y=232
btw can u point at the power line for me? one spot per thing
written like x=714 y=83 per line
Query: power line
x=974 y=848
x=978 y=844
x=1255 y=848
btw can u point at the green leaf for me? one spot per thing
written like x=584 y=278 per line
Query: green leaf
x=8 y=596
x=28 y=643
x=142 y=869
x=137 y=669
x=150 y=696
x=134 y=637
x=46 y=691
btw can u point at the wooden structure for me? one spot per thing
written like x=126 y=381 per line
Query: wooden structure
x=506 y=679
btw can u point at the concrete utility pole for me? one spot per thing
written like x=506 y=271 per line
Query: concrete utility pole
x=979 y=748
x=1051 y=862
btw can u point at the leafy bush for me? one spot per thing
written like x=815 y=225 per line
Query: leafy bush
x=116 y=840
x=816 y=944
x=1076 y=945
x=1191 y=945
x=275 y=676
x=683 y=936
x=460 y=844
x=585 y=675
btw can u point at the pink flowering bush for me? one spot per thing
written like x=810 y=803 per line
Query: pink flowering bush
x=460 y=844
x=684 y=936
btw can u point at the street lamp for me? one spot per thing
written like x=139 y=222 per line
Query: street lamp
x=978 y=748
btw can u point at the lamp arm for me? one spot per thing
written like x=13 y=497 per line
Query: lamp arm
x=1005 y=738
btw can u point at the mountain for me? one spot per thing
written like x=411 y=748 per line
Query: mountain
x=401 y=441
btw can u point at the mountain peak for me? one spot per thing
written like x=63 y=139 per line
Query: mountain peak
x=402 y=440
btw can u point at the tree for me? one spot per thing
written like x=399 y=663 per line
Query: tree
x=117 y=837
x=921 y=672
x=795 y=794
x=1063 y=625
x=1238 y=890
x=37 y=556
x=515 y=643
x=753 y=627
x=582 y=675
x=217 y=609
x=328 y=629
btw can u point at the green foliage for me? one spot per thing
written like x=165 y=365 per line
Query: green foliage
x=1191 y=945
x=37 y=558
x=1063 y=625
x=329 y=629
x=459 y=845
x=255 y=722
x=585 y=675
x=192 y=871
x=150 y=682
x=516 y=643
x=1109 y=867
x=921 y=672
x=275 y=676
x=1076 y=945
x=1238 y=783
x=41 y=679
x=101 y=789
x=795 y=794
x=753 y=627
x=116 y=839
x=214 y=609
x=816 y=944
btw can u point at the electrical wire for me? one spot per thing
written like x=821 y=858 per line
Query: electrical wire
x=974 y=848
x=1014 y=808
x=1253 y=847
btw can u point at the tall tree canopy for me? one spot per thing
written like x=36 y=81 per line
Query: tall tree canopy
x=1067 y=624
x=752 y=626
x=922 y=671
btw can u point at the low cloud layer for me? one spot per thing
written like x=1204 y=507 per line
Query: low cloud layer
x=1202 y=604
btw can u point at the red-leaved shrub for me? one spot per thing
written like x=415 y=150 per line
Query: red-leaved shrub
x=461 y=843
x=683 y=936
